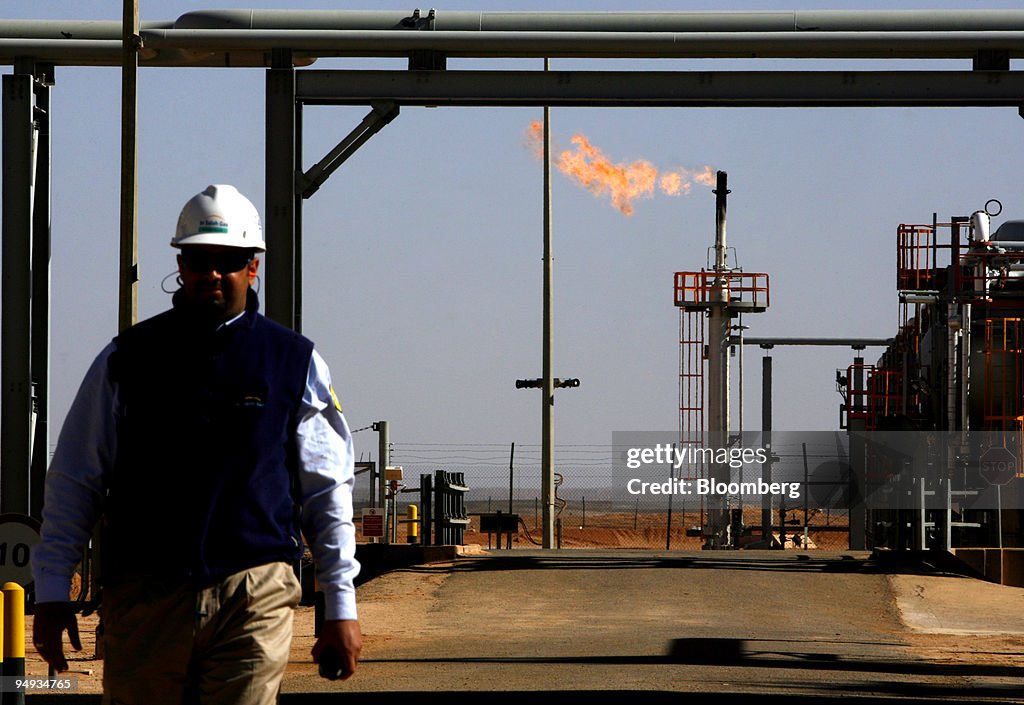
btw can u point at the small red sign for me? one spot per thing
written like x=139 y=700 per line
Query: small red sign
x=373 y=522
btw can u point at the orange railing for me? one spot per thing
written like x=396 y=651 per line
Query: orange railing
x=746 y=290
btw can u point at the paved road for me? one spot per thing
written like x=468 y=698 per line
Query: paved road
x=521 y=626
x=768 y=625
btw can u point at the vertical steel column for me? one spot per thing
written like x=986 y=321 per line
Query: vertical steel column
x=766 y=442
x=16 y=289
x=383 y=460
x=383 y=457
x=128 y=299
x=440 y=508
x=427 y=513
x=40 y=341
x=548 y=395
x=297 y=200
x=279 y=220
x=857 y=427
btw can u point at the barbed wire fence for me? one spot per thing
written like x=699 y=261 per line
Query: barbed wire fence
x=592 y=511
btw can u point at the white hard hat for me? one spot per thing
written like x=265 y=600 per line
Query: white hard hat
x=220 y=215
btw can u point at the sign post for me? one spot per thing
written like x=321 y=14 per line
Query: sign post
x=997 y=467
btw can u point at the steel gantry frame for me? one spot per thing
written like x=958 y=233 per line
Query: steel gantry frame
x=284 y=41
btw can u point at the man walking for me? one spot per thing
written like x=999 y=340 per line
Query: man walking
x=209 y=441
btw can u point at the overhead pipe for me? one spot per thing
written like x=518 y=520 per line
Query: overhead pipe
x=813 y=34
x=225 y=47
x=790 y=22
x=764 y=21
x=162 y=47
x=489 y=22
x=858 y=343
x=68 y=30
x=108 y=52
x=521 y=44
x=86 y=52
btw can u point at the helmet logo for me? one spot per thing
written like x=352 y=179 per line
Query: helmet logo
x=214 y=224
x=222 y=216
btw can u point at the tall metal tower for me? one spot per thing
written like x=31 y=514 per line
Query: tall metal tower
x=708 y=303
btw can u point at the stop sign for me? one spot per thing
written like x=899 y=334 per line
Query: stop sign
x=998 y=465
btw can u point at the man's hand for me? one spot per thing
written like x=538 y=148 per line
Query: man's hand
x=343 y=636
x=48 y=625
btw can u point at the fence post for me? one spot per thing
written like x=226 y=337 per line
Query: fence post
x=427 y=515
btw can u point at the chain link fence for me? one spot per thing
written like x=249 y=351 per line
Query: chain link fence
x=590 y=514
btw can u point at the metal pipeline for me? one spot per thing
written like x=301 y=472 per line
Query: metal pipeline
x=765 y=21
x=176 y=47
x=191 y=41
x=858 y=343
x=108 y=52
x=488 y=22
x=860 y=45
x=69 y=30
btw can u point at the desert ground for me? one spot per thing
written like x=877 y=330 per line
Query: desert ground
x=799 y=622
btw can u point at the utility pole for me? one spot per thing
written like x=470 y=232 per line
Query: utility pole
x=547 y=456
x=547 y=382
x=383 y=459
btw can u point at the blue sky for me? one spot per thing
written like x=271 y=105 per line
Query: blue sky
x=423 y=252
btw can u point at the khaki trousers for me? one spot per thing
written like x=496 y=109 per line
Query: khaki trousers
x=226 y=644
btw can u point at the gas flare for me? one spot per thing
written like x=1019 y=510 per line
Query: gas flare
x=623 y=182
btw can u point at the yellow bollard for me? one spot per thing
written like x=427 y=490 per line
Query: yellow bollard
x=13 y=642
x=412 y=522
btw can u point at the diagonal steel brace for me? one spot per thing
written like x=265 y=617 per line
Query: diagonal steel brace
x=310 y=182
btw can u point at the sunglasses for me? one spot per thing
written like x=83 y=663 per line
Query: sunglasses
x=226 y=262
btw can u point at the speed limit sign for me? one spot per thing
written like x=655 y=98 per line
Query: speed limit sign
x=19 y=534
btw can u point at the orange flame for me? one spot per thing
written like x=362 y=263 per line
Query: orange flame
x=622 y=183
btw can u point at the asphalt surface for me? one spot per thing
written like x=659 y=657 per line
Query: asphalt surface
x=635 y=625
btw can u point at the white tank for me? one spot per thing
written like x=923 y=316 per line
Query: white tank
x=981 y=222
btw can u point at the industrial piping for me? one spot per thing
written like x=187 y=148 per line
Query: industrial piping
x=584 y=44
x=765 y=21
x=180 y=47
x=815 y=34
